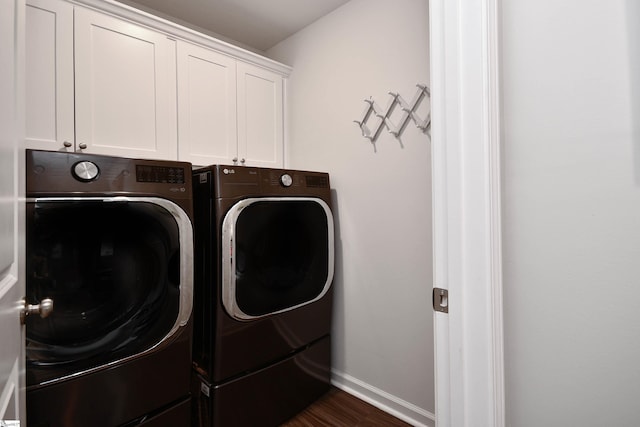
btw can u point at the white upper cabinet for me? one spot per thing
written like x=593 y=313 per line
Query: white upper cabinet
x=113 y=80
x=123 y=103
x=260 y=117
x=49 y=75
x=207 y=125
x=125 y=88
x=229 y=111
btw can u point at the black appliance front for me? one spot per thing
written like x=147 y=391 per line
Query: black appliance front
x=264 y=267
x=110 y=241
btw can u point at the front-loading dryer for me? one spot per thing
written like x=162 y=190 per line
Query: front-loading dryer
x=263 y=296
x=110 y=241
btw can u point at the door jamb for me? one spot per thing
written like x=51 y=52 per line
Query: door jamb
x=466 y=139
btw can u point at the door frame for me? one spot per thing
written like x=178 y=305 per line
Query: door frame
x=12 y=274
x=466 y=138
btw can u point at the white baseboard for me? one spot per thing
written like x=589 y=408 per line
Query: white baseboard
x=395 y=406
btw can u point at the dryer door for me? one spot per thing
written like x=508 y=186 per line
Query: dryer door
x=277 y=255
x=119 y=273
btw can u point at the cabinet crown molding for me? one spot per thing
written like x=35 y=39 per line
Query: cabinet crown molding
x=177 y=31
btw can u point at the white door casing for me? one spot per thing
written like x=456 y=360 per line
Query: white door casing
x=465 y=89
x=12 y=402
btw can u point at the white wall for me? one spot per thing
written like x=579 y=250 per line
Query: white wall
x=572 y=212
x=383 y=339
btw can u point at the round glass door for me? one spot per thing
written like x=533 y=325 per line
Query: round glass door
x=113 y=272
x=278 y=256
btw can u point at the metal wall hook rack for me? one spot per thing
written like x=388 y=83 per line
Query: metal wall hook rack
x=383 y=116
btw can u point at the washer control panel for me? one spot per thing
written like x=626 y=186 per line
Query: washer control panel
x=57 y=173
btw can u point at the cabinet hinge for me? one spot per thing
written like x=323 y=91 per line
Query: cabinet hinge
x=441 y=300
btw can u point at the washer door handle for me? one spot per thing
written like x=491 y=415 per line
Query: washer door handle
x=44 y=309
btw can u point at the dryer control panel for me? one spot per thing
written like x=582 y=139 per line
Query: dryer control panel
x=243 y=181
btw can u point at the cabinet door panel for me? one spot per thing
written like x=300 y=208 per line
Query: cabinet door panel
x=49 y=75
x=260 y=122
x=124 y=91
x=206 y=106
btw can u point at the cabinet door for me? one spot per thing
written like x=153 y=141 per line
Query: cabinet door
x=125 y=88
x=49 y=75
x=260 y=119
x=206 y=106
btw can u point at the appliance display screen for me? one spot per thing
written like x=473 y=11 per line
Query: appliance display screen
x=161 y=174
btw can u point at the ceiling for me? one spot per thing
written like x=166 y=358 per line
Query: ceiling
x=257 y=24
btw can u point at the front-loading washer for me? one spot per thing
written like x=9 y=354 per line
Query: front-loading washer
x=110 y=241
x=263 y=296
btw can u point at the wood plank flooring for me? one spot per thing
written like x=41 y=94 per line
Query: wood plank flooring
x=340 y=409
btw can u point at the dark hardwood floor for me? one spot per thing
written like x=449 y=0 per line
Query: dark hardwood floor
x=340 y=409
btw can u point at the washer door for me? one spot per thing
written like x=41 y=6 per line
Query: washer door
x=277 y=255
x=119 y=273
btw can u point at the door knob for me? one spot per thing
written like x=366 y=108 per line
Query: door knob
x=67 y=144
x=82 y=145
x=44 y=309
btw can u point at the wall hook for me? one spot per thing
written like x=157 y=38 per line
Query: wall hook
x=371 y=131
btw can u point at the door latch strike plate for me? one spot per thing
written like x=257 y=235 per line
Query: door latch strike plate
x=441 y=300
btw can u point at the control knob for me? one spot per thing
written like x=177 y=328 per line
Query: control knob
x=85 y=171
x=286 y=180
